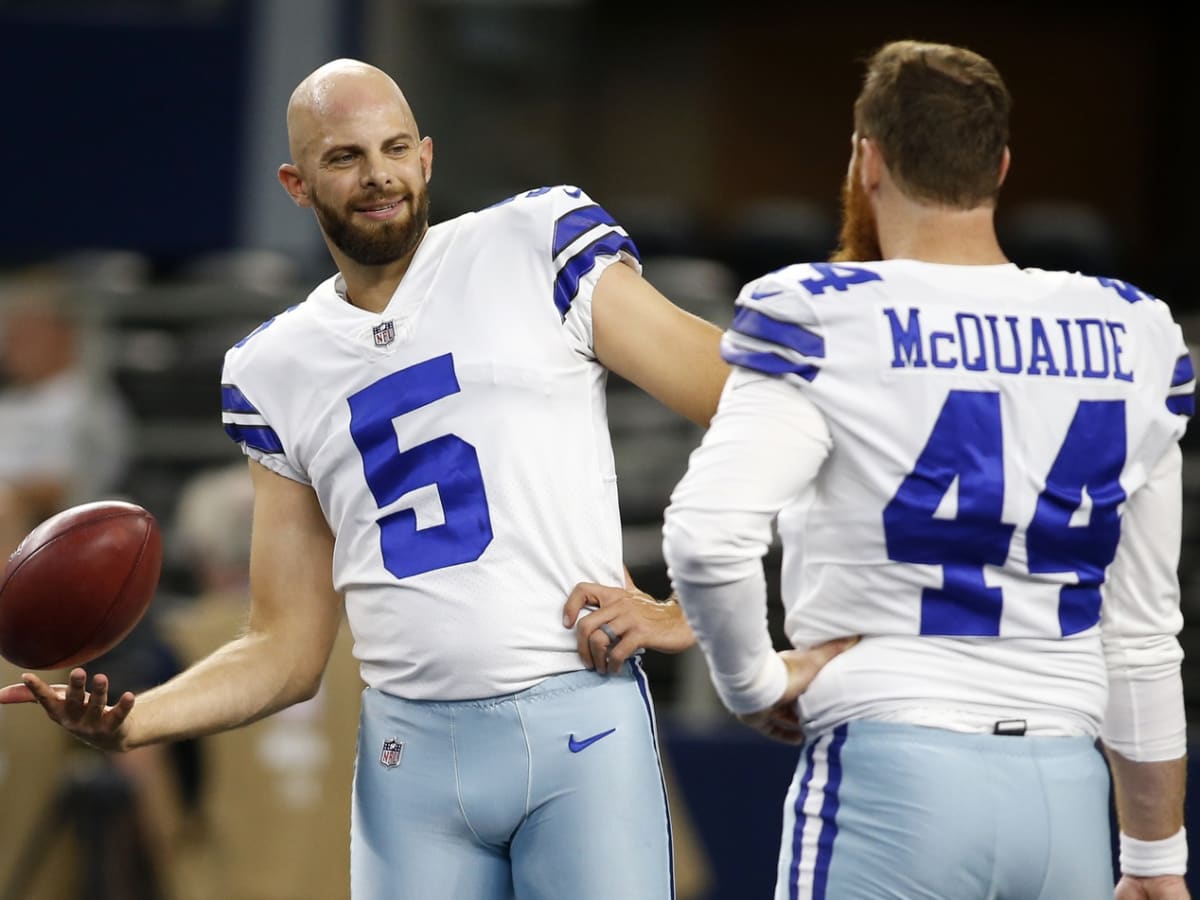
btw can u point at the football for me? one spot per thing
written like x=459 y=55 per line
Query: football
x=78 y=584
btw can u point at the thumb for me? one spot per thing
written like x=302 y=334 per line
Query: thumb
x=828 y=650
x=16 y=693
x=583 y=594
x=803 y=665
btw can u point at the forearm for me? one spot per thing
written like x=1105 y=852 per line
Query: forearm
x=1149 y=795
x=239 y=683
x=730 y=624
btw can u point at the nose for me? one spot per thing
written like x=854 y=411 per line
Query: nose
x=376 y=173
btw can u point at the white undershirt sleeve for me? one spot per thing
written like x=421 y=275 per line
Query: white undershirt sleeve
x=765 y=446
x=1140 y=619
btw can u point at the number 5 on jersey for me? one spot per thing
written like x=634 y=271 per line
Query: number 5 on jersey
x=447 y=462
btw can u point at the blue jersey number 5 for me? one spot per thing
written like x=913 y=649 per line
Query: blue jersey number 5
x=448 y=462
x=966 y=447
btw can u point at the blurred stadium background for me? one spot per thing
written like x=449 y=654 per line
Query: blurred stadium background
x=138 y=161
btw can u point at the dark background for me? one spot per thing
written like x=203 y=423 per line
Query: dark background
x=156 y=128
x=128 y=124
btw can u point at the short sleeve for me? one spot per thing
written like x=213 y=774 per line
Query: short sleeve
x=584 y=241
x=775 y=330
x=249 y=429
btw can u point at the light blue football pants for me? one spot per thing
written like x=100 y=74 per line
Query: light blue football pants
x=553 y=792
x=881 y=811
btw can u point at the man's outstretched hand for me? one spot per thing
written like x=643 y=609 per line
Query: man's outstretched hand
x=84 y=714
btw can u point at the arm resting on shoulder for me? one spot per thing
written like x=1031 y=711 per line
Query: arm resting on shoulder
x=669 y=353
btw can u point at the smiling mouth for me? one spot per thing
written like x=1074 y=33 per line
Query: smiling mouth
x=380 y=210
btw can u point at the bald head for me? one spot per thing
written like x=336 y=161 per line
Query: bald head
x=335 y=93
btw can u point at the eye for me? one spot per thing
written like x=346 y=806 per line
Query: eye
x=398 y=149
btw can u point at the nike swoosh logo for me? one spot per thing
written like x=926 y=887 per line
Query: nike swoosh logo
x=763 y=295
x=575 y=746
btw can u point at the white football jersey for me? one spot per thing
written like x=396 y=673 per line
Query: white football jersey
x=457 y=442
x=986 y=426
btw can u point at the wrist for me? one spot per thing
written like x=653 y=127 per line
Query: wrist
x=1146 y=859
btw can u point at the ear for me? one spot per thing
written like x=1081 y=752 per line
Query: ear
x=293 y=183
x=1005 y=162
x=426 y=153
x=872 y=165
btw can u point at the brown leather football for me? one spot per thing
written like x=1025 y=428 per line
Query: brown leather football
x=78 y=584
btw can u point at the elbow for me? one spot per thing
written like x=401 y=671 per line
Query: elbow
x=699 y=549
x=304 y=682
x=307 y=688
x=299 y=678
x=682 y=548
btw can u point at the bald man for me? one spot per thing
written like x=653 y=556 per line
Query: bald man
x=427 y=437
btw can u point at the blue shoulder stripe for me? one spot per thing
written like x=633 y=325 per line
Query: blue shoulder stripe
x=566 y=283
x=1182 y=404
x=234 y=401
x=1183 y=371
x=575 y=223
x=769 y=363
x=260 y=437
x=796 y=337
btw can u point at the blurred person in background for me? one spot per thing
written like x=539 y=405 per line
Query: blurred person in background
x=64 y=430
x=427 y=436
x=977 y=468
x=64 y=438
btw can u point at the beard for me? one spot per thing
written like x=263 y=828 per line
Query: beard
x=376 y=243
x=858 y=240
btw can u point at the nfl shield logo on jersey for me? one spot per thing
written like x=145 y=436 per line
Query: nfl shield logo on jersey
x=390 y=757
x=385 y=333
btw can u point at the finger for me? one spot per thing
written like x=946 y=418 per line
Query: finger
x=627 y=643
x=827 y=651
x=786 y=724
x=76 y=695
x=49 y=699
x=598 y=643
x=97 y=701
x=579 y=597
x=120 y=711
x=584 y=629
x=803 y=665
x=788 y=735
x=17 y=693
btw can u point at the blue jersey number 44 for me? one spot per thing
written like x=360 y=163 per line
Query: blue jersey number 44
x=967 y=445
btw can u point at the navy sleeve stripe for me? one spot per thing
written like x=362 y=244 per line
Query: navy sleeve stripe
x=1182 y=405
x=234 y=401
x=260 y=437
x=770 y=363
x=566 y=284
x=576 y=223
x=796 y=337
x=1183 y=371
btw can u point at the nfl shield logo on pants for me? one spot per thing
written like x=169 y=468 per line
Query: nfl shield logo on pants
x=390 y=757
x=385 y=333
